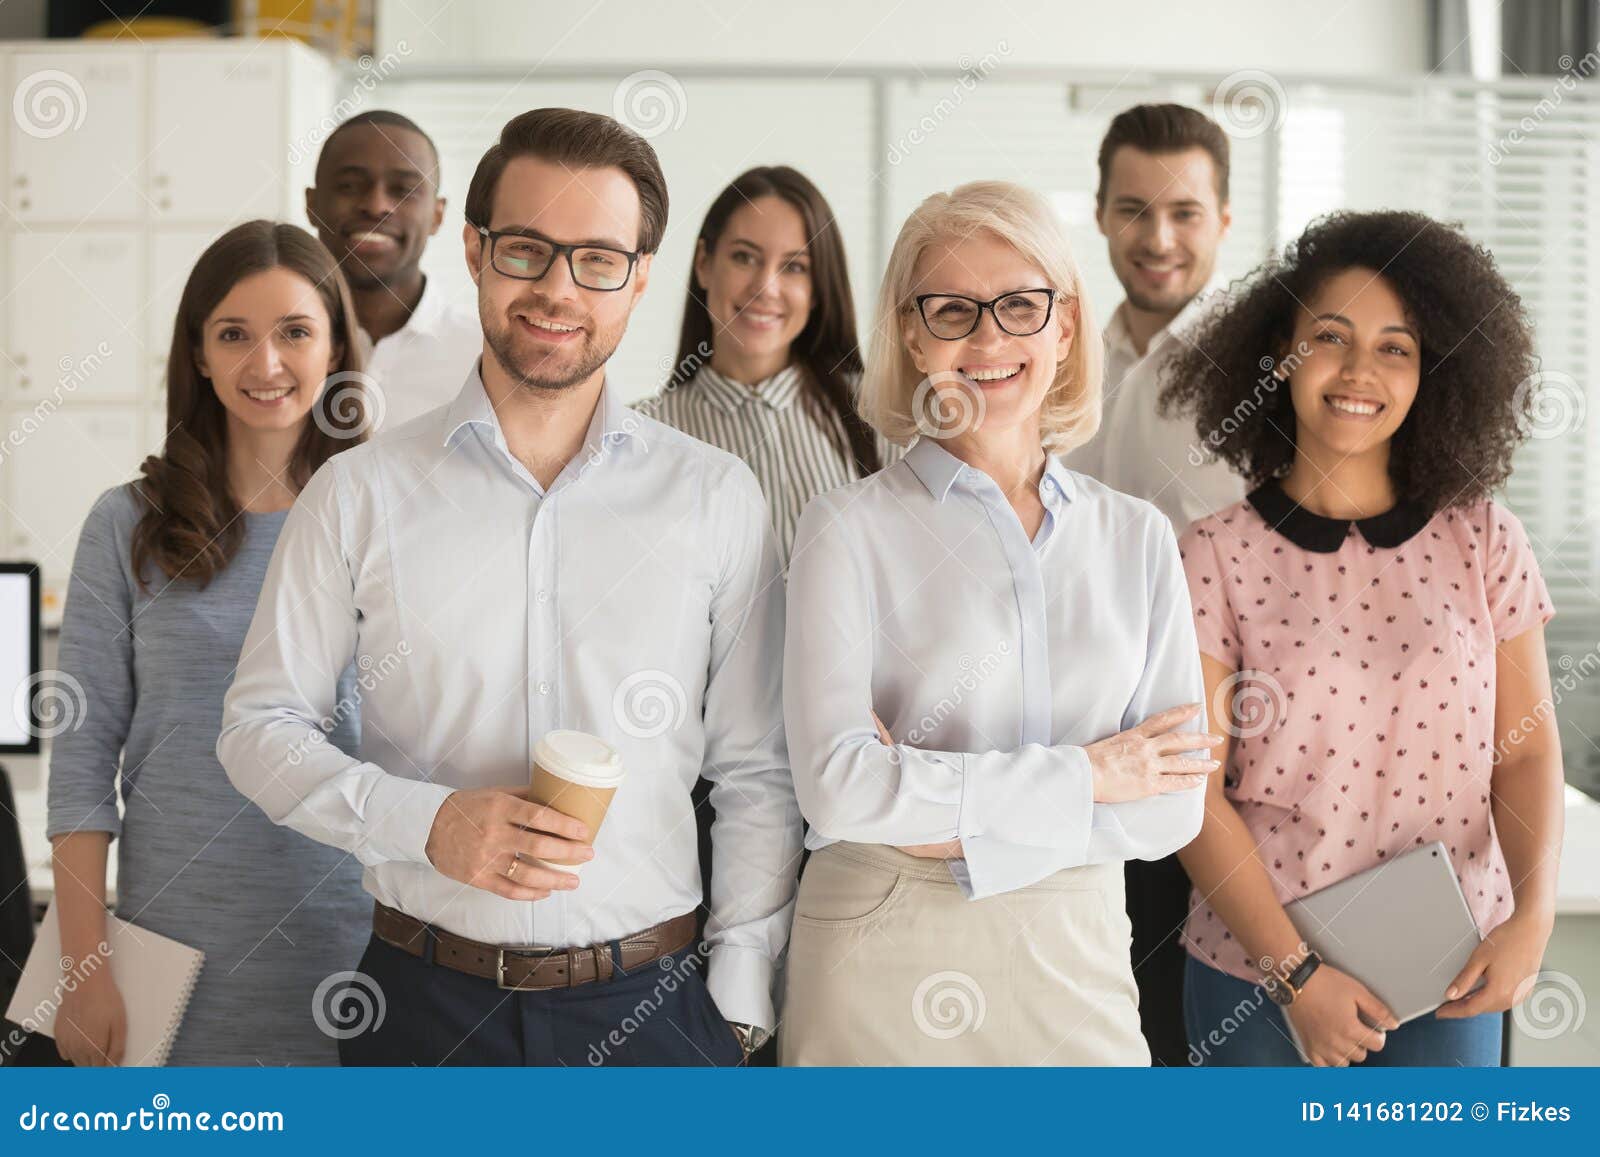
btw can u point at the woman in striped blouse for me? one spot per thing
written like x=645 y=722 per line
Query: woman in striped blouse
x=767 y=361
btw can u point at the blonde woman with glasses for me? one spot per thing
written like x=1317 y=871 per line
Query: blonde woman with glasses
x=990 y=680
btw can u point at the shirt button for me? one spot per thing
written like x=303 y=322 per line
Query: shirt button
x=544 y=596
x=544 y=687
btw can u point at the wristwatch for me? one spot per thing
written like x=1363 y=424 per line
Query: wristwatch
x=1283 y=988
x=750 y=1037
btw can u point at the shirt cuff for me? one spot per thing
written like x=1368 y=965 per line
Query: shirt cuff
x=1050 y=807
x=398 y=817
x=992 y=868
x=740 y=980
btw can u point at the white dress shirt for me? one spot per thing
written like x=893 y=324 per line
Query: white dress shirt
x=638 y=599
x=991 y=659
x=419 y=367
x=1137 y=451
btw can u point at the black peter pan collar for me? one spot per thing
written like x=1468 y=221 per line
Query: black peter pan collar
x=1316 y=532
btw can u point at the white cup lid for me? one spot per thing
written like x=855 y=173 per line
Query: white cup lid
x=580 y=757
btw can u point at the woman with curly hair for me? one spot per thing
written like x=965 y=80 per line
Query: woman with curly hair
x=263 y=387
x=1389 y=616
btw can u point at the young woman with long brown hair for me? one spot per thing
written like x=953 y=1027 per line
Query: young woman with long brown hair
x=264 y=385
x=768 y=363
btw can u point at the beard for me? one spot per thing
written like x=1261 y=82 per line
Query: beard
x=557 y=369
x=1167 y=301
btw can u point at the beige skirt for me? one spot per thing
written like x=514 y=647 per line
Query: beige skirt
x=890 y=965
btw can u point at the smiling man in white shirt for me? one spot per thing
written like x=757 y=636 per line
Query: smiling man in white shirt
x=1162 y=205
x=536 y=556
x=375 y=205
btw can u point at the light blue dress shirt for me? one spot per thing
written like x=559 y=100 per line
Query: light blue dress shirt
x=638 y=598
x=991 y=659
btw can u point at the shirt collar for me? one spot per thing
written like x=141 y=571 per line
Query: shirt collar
x=426 y=320
x=938 y=470
x=613 y=423
x=1118 y=338
x=431 y=307
x=1322 y=535
x=777 y=392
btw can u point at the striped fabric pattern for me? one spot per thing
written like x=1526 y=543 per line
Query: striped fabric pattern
x=794 y=445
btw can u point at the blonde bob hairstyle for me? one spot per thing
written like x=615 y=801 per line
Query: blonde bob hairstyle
x=890 y=387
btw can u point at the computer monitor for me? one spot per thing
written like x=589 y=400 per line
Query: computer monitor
x=19 y=658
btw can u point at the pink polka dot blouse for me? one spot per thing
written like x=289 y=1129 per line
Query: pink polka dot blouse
x=1365 y=688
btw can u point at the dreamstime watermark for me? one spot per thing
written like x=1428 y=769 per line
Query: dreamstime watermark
x=1249 y=102
x=1543 y=713
x=674 y=374
x=371 y=73
x=650 y=102
x=71 y=974
x=675 y=970
x=971 y=75
x=974 y=672
x=48 y=704
x=72 y=375
x=160 y=1117
x=1572 y=71
x=1255 y=702
x=1550 y=404
x=48 y=103
x=370 y=672
x=1274 y=376
x=948 y=1004
x=347 y=1004
x=352 y=404
x=649 y=704
x=949 y=412
x=1554 y=1005
x=1232 y=1021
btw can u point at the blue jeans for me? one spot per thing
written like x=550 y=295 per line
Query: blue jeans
x=1233 y=1022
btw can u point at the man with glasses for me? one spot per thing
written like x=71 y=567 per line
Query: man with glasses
x=375 y=205
x=537 y=557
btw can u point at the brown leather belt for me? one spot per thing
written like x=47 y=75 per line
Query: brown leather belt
x=530 y=969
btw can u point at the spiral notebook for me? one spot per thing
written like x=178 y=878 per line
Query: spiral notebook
x=155 y=975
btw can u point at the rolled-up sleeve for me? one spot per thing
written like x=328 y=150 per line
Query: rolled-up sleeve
x=1020 y=814
x=272 y=745
x=756 y=838
x=96 y=675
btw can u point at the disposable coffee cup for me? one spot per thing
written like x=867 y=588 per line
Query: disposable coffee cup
x=576 y=773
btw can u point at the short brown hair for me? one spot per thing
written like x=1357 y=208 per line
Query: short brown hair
x=1162 y=129
x=578 y=139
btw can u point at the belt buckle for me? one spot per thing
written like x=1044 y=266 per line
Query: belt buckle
x=500 y=969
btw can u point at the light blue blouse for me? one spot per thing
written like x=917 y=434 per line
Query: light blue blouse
x=991 y=659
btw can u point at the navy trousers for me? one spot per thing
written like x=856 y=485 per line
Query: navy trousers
x=660 y=1014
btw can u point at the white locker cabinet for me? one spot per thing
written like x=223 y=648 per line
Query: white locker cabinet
x=219 y=144
x=68 y=293
x=76 y=138
x=172 y=256
x=122 y=163
x=56 y=464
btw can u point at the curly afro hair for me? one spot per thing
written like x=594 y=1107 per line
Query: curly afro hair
x=1456 y=443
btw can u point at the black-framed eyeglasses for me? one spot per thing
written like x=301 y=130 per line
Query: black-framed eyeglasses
x=952 y=316
x=528 y=257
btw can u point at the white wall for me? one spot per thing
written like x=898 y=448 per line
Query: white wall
x=1382 y=38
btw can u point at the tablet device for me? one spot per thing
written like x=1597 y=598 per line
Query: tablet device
x=1402 y=928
